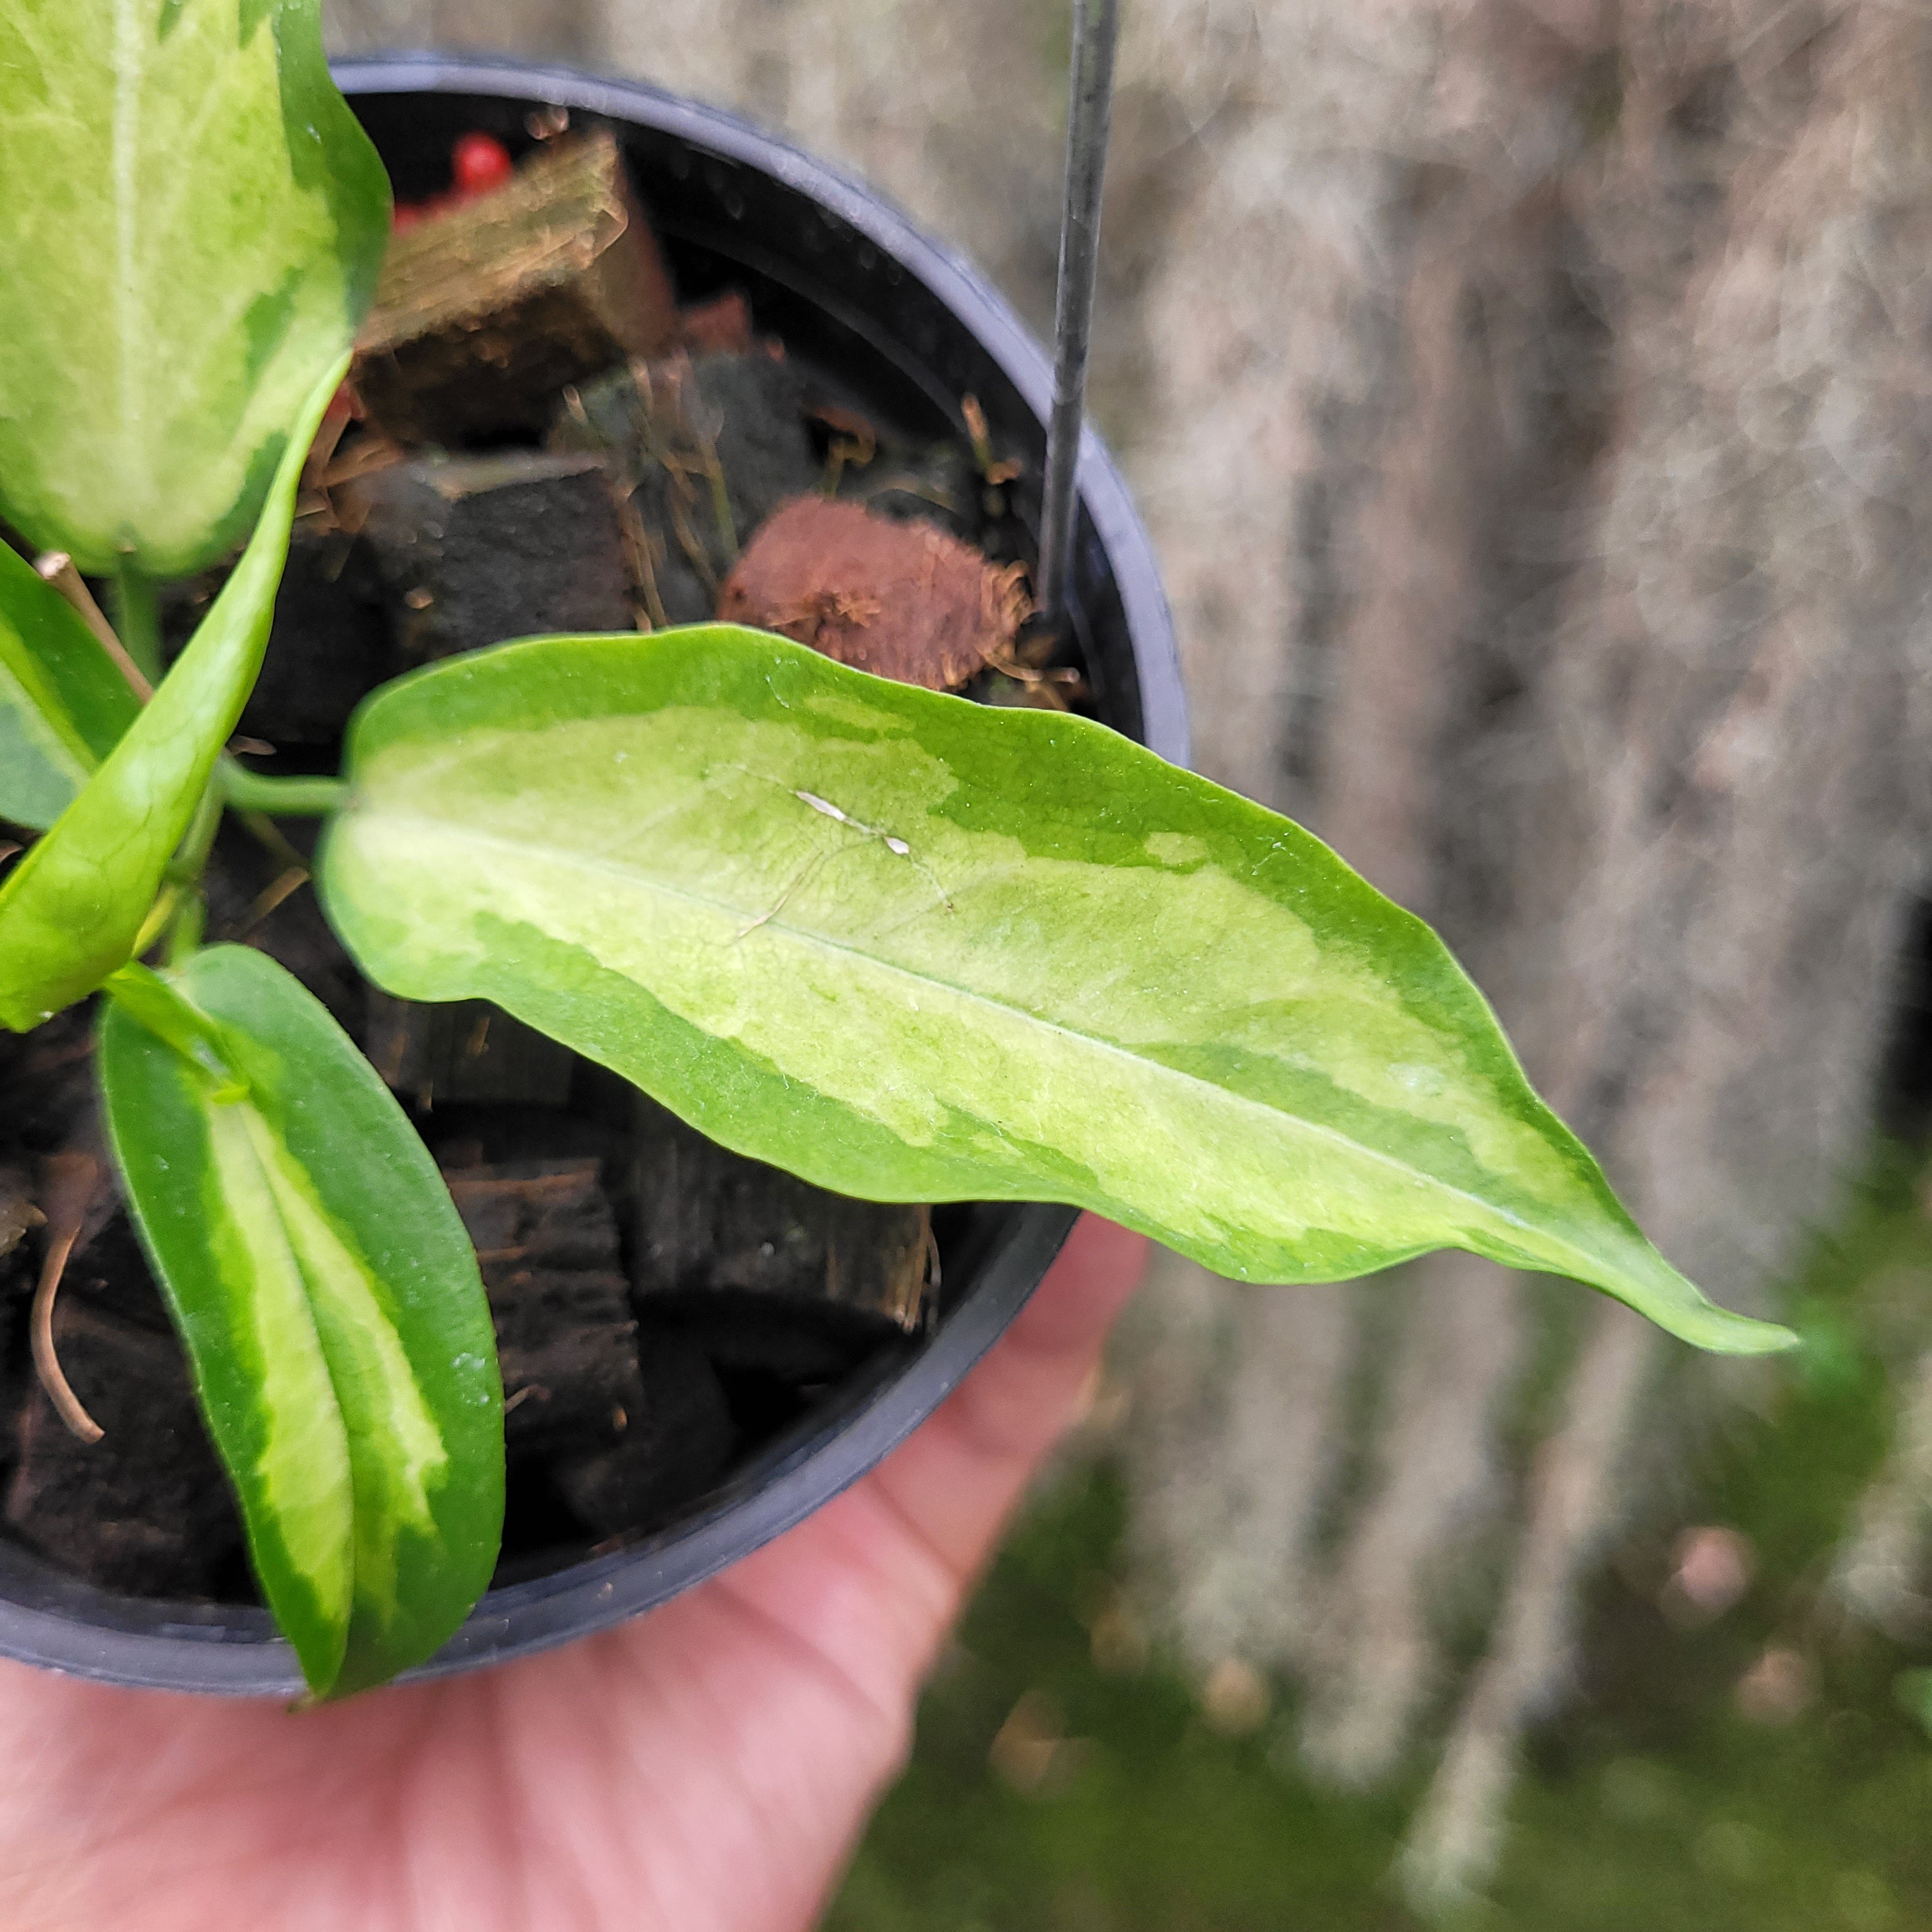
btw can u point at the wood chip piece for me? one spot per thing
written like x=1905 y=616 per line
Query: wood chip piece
x=724 y=323
x=536 y=1213
x=488 y=308
x=905 y=601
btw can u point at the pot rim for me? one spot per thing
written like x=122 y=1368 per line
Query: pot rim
x=55 y=1622
x=960 y=286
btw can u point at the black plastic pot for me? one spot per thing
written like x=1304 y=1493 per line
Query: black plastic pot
x=844 y=278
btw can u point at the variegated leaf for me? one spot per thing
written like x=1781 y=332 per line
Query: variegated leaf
x=330 y=1303
x=191 y=232
x=72 y=909
x=914 y=948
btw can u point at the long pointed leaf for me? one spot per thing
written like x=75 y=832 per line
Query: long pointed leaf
x=330 y=1306
x=191 y=232
x=71 y=910
x=64 y=705
x=913 y=949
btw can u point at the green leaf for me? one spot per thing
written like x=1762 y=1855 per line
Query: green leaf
x=914 y=948
x=72 y=909
x=63 y=703
x=192 y=227
x=330 y=1303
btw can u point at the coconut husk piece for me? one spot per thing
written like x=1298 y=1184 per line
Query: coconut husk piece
x=905 y=601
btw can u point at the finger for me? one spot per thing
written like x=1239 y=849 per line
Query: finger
x=814 y=1647
x=955 y=1482
x=871 y=1583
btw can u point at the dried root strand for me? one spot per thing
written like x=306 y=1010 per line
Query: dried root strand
x=72 y=1180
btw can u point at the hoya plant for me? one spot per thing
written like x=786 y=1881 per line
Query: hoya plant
x=909 y=948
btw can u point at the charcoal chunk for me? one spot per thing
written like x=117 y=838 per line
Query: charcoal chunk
x=46 y=1077
x=679 y=1440
x=802 y=1346
x=108 y=1274
x=938 y=484
x=546 y=1241
x=19 y=1213
x=706 y=447
x=330 y=645
x=146 y=1509
x=474 y=550
x=464 y=1051
x=710 y=1220
x=257 y=896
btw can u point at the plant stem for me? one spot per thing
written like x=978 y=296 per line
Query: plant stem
x=300 y=798
x=185 y=930
x=161 y=918
x=137 y=620
x=191 y=860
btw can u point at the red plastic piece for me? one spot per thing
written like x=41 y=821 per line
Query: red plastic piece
x=479 y=163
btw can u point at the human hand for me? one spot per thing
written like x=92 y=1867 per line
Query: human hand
x=705 y=1769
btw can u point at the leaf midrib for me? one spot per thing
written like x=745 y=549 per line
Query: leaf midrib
x=1316 y=1130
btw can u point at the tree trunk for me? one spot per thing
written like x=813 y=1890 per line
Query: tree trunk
x=554 y=30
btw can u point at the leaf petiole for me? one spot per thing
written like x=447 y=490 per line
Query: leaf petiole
x=137 y=620
x=186 y=928
x=290 y=798
x=161 y=918
x=190 y=859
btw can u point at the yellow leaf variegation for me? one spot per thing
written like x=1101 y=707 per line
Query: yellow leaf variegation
x=913 y=949
x=190 y=228
x=330 y=1303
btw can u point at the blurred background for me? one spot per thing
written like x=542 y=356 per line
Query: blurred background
x=1529 y=401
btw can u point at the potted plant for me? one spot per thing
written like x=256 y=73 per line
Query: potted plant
x=906 y=947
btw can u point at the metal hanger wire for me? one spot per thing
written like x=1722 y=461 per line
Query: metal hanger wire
x=1096 y=25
